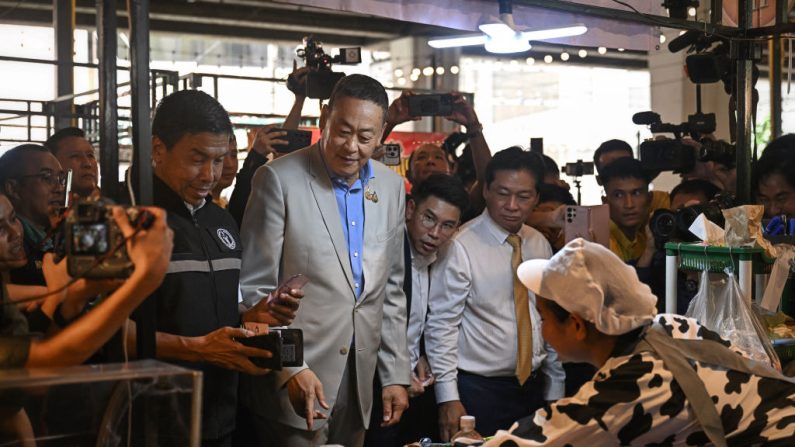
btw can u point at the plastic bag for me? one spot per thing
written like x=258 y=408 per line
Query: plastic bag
x=720 y=307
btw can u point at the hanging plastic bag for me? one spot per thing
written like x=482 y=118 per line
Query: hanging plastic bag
x=720 y=307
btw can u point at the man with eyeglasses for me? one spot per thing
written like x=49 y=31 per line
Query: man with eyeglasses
x=33 y=181
x=483 y=334
x=433 y=213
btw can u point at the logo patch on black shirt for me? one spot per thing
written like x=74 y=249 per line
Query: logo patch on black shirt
x=226 y=237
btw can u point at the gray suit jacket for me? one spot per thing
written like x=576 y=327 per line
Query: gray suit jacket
x=292 y=225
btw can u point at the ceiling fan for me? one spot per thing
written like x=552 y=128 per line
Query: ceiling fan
x=503 y=36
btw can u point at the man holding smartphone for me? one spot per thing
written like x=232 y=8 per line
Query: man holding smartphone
x=306 y=214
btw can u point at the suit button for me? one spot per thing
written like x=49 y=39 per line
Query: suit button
x=343 y=350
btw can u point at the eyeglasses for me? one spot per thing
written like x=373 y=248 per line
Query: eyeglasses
x=430 y=222
x=50 y=177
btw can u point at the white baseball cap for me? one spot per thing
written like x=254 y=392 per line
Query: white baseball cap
x=588 y=279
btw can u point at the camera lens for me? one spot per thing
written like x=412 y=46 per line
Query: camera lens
x=663 y=224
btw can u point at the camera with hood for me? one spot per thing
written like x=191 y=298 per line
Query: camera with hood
x=672 y=154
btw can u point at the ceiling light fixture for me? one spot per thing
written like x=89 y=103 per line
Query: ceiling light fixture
x=504 y=36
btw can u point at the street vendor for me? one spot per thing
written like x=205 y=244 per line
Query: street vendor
x=661 y=380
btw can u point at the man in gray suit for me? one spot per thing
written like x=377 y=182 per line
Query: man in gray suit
x=331 y=213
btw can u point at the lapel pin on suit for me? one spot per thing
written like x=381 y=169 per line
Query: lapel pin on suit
x=370 y=195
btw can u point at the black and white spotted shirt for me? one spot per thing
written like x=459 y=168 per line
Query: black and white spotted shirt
x=633 y=400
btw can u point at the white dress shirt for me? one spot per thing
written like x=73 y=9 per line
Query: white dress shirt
x=472 y=321
x=420 y=285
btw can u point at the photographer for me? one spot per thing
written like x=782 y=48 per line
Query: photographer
x=651 y=264
x=149 y=250
x=262 y=144
x=431 y=159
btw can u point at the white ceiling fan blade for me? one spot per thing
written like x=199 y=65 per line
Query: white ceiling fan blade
x=460 y=41
x=554 y=33
x=497 y=30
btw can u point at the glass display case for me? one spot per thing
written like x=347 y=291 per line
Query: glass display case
x=142 y=403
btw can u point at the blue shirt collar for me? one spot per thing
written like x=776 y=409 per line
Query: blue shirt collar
x=365 y=175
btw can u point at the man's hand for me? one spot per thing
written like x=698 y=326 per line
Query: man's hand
x=275 y=311
x=421 y=377
x=296 y=81
x=303 y=389
x=220 y=348
x=398 y=111
x=396 y=401
x=463 y=113
x=74 y=298
x=264 y=140
x=449 y=416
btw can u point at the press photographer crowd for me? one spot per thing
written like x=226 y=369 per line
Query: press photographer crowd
x=330 y=300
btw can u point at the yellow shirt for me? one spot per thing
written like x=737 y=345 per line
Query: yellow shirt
x=630 y=250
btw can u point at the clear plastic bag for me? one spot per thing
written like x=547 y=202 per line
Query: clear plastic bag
x=720 y=307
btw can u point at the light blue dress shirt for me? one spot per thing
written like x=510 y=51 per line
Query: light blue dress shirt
x=350 y=202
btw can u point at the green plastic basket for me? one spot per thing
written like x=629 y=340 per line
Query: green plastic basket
x=718 y=259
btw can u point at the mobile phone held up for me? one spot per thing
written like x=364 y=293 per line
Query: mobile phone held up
x=430 y=105
x=296 y=139
x=297 y=281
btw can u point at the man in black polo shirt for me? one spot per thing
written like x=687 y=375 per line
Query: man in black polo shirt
x=197 y=303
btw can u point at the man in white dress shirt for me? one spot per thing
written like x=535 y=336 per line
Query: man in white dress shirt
x=483 y=333
x=433 y=213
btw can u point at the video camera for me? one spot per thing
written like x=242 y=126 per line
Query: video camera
x=672 y=155
x=320 y=80
x=93 y=243
x=668 y=225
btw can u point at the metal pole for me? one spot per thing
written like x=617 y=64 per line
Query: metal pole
x=774 y=60
x=108 y=111
x=63 y=16
x=743 y=95
x=142 y=149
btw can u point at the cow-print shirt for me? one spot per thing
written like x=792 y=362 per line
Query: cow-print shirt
x=633 y=400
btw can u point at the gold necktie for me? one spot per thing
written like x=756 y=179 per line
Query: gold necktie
x=524 y=328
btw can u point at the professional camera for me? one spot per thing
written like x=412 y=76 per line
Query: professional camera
x=667 y=225
x=672 y=155
x=320 y=80
x=718 y=151
x=94 y=243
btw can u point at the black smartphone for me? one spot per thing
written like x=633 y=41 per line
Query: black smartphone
x=430 y=105
x=296 y=139
x=286 y=345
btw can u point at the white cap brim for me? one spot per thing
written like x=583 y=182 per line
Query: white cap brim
x=531 y=272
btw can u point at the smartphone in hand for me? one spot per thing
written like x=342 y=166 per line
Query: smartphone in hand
x=297 y=281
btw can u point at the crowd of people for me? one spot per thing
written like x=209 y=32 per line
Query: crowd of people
x=461 y=297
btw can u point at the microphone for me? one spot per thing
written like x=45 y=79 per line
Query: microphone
x=646 y=118
x=684 y=41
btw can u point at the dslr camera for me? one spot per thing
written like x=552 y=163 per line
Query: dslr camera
x=91 y=237
x=668 y=225
x=320 y=80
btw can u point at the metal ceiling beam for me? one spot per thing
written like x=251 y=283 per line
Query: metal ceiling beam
x=268 y=22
